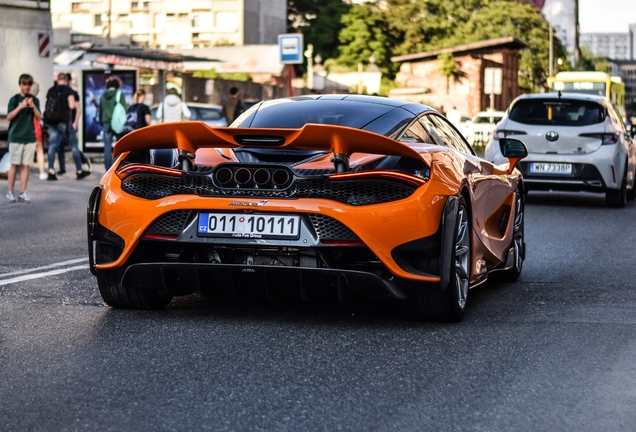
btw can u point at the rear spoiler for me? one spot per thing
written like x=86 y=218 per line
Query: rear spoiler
x=191 y=136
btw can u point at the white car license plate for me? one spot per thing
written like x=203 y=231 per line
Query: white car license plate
x=550 y=168
x=256 y=226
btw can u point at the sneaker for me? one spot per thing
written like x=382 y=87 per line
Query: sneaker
x=51 y=176
x=82 y=174
x=61 y=172
x=43 y=176
x=24 y=198
x=10 y=197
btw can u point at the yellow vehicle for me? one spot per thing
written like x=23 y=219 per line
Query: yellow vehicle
x=594 y=83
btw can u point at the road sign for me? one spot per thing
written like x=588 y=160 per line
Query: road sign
x=492 y=80
x=44 y=44
x=291 y=48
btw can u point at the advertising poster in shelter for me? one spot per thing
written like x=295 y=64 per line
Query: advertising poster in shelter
x=94 y=84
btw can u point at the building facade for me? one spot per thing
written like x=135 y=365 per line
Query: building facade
x=168 y=23
x=616 y=46
x=421 y=79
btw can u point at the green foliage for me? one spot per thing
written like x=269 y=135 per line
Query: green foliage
x=213 y=74
x=448 y=65
x=319 y=22
x=364 y=35
x=386 y=85
x=397 y=27
x=588 y=61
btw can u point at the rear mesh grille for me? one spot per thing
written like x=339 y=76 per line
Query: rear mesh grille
x=170 y=223
x=330 y=229
x=355 y=193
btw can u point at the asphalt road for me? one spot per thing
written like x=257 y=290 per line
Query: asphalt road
x=556 y=351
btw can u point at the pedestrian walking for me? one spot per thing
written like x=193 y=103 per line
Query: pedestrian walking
x=172 y=109
x=139 y=113
x=107 y=102
x=22 y=109
x=39 y=137
x=233 y=106
x=57 y=116
x=71 y=138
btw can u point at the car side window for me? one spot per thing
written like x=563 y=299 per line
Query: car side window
x=417 y=133
x=448 y=137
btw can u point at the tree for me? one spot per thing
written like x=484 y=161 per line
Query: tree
x=592 y=62
x=448 y=67
x=364 y=34
x=319 y=22
x=520 y=20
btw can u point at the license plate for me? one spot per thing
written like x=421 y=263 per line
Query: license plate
x=253 y=226
x=550 y=168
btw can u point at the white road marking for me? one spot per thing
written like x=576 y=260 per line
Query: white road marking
x=60 y=264
x=39 y=272
x=40 y=275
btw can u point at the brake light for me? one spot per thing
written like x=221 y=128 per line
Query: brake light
x=606 y=138
x=503 y=133
x=409 y=179
x=161 y=236
x=131 y=169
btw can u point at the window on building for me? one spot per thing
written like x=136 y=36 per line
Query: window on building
x=183 y=16
x=196 y=20
x=98 y=20
x=76 y=7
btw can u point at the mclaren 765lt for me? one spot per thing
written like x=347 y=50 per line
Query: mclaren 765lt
x=338 y=196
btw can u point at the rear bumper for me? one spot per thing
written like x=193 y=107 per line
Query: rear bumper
x=584 y=177
x=273 y=282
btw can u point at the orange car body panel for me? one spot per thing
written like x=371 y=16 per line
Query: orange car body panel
x=381 y=227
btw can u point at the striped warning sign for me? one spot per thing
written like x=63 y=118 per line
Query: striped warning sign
x=44 y=45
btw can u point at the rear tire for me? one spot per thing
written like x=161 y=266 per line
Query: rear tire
x=117 y=296
x=617 y=198
x=428 y=302
x=511 y=275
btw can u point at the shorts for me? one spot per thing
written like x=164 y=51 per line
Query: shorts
x=21 y=154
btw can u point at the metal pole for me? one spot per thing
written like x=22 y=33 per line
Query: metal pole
x=291 y=80
x=109 y=19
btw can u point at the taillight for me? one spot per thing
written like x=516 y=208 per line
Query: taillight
x=131 y=169
x=503 y=133
x=606 y=138
x=409 y=179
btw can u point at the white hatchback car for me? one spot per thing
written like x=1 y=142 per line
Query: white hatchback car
x=575 y=142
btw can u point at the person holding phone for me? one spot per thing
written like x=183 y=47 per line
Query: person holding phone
x=22 y=109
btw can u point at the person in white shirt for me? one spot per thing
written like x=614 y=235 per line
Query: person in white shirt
x=172 y=109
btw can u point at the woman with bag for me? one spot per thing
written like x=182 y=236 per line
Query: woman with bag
x=138 y=113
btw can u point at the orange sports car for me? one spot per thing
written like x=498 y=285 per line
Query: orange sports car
x=338 y=196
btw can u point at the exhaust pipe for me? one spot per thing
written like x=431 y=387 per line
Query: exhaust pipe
x=280 y=177
x=223 y=176
x=262 y=177
x=242 y=176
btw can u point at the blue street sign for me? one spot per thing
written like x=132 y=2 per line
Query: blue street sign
x=291 y=48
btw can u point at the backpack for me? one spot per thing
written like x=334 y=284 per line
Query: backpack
x=118 y=120
x=134 y=120
x=56 y=110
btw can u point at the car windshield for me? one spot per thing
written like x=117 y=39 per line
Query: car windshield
x=297 y=113
x=558 y=112
x=210 y=114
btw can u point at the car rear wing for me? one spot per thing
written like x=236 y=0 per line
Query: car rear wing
x=190 y=136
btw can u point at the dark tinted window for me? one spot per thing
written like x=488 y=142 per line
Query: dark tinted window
x=209 y=113
x=559 y=112
x=417 y=133
x=482 y=120
x=295 y=114
x=444 y=134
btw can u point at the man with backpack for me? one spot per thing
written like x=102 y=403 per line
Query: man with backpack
x=138 y=113
x=57 y=116
x=233 y=106
x=111 y=103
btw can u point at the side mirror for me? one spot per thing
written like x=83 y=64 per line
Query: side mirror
x=514 y=150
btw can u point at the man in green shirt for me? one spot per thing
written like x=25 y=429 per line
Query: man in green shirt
x=23 y=107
